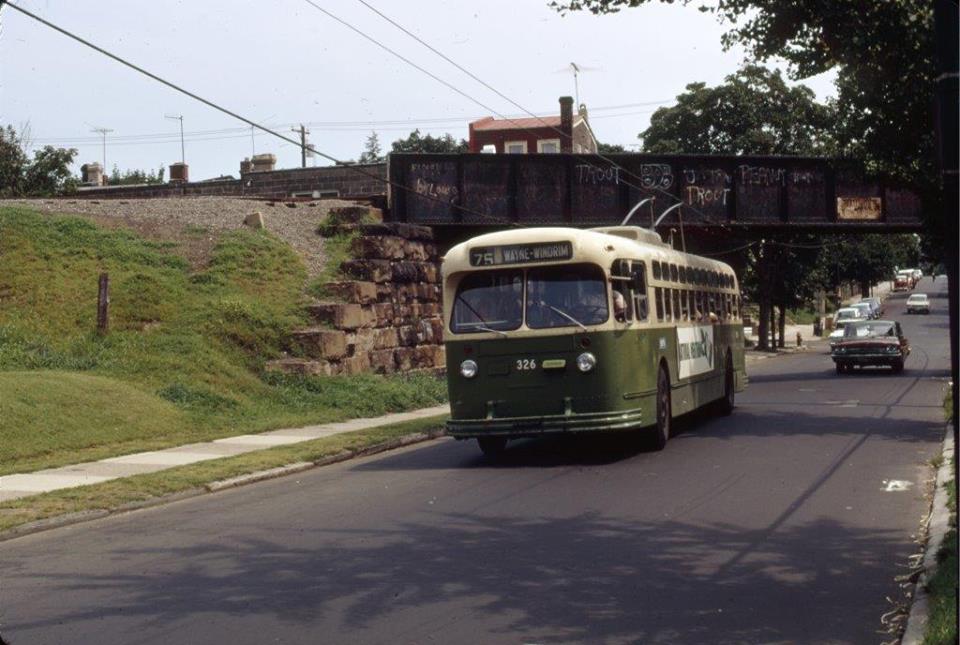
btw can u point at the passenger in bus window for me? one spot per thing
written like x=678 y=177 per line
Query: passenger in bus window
x=619 y=306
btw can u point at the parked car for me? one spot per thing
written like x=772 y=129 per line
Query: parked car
x=917 y=275
x=866 y=311
x=918 y=303
x=871 y=342
x=844 y=316
x=876 y=305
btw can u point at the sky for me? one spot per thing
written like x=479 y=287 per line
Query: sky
x=284 y=62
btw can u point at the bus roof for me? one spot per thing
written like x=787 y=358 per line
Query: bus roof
x=600 y=246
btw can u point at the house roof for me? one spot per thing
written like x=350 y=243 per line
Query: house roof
x=490 y=123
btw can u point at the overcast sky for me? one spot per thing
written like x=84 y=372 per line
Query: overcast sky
x=285 y=62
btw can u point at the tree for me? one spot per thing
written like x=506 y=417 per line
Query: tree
x=48 y=172
x=371 y=150
x=417 y=143
x=608 y=148
x=135 y=177
x=753 y=112
x=13 y=163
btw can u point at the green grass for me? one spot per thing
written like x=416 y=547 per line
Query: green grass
x=183 y=360
x=115 y=494
x=336 y=247
x=942 y=586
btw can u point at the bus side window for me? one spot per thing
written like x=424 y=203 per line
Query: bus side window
x=620 y=272
x=676 y=305
x=667 y=307
x=684 y=305
x=639 y=274
x=659 y=296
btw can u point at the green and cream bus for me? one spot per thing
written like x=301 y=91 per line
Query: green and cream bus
x=563 y=330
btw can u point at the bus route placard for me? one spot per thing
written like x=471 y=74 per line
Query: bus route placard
x=520 y=253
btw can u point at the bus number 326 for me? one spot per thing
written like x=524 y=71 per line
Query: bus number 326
x=526 y=364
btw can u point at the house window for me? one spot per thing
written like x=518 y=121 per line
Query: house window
x=549 y=146
x=489 y=149
x=515 y=147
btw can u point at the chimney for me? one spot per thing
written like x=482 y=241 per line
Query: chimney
x=264 y=162
x=566 y=124
x=92 y=174
x=179 y=173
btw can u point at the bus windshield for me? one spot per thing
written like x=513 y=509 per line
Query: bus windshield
x=488 y=301
x=566 y=295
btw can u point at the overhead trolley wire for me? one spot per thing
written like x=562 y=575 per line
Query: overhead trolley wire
x=239 y=117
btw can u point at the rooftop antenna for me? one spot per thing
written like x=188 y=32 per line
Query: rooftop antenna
x=577 y=70
x=103 y=133
x=183 y=154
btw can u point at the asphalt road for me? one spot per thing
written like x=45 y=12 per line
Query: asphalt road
x=786 y=522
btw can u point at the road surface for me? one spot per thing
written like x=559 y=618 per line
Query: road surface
x=786 y=522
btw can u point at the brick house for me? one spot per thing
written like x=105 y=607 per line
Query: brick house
x=567 y=132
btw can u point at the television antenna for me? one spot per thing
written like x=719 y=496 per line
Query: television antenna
x=577 y=70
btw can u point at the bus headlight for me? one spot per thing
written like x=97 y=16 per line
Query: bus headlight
x=468 y=368
x=586 y=362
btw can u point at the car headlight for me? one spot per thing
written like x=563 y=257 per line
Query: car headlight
x=586 y=362
x=468 y=368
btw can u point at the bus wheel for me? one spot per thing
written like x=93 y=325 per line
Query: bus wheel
x=663 y=411
x=492 y=446
x=728 y=401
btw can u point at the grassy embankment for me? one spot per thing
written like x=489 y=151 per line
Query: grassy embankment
x=942 y=586
x=183 y=360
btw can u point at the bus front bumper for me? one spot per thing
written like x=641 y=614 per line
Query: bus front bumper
x=542 y=425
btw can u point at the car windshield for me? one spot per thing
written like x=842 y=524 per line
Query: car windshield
x=565 y=295
x=868 y=330
x=847 y=313
x=917 y=298
x=488 y=301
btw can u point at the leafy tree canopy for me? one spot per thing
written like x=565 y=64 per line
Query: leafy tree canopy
x=608 y=148
x=135 y=177
x=371 y=150
x=753 y=112
x=47 y=173
x=419 y=143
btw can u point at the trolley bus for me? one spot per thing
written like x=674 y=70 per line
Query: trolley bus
x=563 y=330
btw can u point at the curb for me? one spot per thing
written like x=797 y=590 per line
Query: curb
x=937 y=525
x=213 y=487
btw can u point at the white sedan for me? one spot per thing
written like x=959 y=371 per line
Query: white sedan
x=918 y=303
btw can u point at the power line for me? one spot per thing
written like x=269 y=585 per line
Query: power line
x=239 y=117
x=486 y=85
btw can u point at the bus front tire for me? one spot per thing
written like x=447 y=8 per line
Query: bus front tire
x=492 y=447
x=664 y=420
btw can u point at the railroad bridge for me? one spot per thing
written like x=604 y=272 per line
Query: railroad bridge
x=751 y=193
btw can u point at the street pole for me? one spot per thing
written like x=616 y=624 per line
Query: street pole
x=945 y=19
x=303 y=144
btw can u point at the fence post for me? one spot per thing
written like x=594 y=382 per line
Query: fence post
x=103 y=304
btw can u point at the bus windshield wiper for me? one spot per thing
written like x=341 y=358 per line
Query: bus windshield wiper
x=483 y=323
x=568 y=317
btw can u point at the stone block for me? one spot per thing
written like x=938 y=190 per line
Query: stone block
x=354 y=291
x=400 y=229
x=342 y=316
x=408 y=335
x=387 y=247
x=425 y=356
x=428 y=272
x=414 y=250
x=403 y=357
x=356 y=364
x=404 y=271
x=428 y=292
x=371 y=270
x=438 y=326
x=384 y=313
x=254 y=220
x=405 y=293
x=321 y=343
x=303 y=367
x=382 y=361
x=385 y=293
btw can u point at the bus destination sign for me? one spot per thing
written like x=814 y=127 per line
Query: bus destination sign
x=482 y=256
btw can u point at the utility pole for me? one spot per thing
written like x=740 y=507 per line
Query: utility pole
x=183 y=154
x=103 y=133
x=303 y=144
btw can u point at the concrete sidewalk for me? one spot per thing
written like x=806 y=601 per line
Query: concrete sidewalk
x=94 y=472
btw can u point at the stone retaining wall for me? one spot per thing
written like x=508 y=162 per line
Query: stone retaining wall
x=386 y=315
